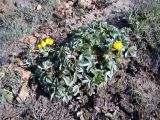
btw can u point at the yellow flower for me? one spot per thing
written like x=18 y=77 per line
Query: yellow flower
x=118 y=45
x=39 y=46
x=49 y=41
x=43 y=44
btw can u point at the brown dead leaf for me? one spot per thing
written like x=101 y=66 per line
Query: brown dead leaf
x=19 y=61
x=23 y=73
x=23 y=93
x=29 y=39
x=12 y=118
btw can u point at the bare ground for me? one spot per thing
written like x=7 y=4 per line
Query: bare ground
x=116 y=100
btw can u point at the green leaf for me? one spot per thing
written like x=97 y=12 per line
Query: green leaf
x=75 y=77
x=125 y=42
x=85 y=81
x=70 y=81
x=88 y=80
x=98 y=77
x=109 y=73
x=131 y=52
x=86 y=61
x=76 y=89
x=66 y=98
x=79 y=76
x=46 y=65
x=106 y=77
x=111 y=64
x=83 y=62
x=47 y=80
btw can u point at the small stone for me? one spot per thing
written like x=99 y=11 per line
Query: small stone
x=39 y=7
x=79 y=113
x=70 y=3
x=127 y=107
x=66 y=5
x=37 y=35
x=29 y=39
x=97 y=109
x=3 y=60
x=85 y=3
x=23 y=4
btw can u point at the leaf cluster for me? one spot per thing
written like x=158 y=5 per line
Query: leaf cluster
x=87 y=61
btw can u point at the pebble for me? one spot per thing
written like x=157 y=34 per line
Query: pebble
x=3 y=60
x=23 y=4
x=38 y=7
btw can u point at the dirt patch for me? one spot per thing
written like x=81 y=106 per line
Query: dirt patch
x=133 y=93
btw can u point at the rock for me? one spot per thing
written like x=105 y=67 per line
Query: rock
x=105 y=1
x=37 y=35
x=23 y=93
x=38 y=7
x=127 y=108
x=3 y=60
x=66 y=5
x=23 y=4
x=29 y=39
x=70 y=3
x=85 y=3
